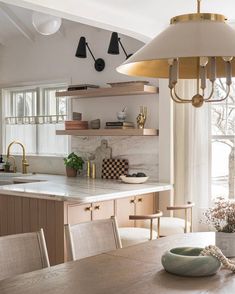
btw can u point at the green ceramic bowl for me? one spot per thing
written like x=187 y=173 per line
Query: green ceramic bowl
x=185 y=261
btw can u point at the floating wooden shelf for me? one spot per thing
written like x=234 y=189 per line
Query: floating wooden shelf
x=111 y=91
x=109 y=132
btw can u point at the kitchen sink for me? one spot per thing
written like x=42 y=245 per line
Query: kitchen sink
x=8 y=178
x=3 y=183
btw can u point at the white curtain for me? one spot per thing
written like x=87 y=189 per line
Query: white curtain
x=38 y=138
x=192 y=141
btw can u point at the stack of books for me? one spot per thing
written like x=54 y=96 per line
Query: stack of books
x=119 y=125
x=76 y=125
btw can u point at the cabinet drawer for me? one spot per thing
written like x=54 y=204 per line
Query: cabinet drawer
x=144 y=205
x=79 y=213
x=125 y=207
x=102 y=210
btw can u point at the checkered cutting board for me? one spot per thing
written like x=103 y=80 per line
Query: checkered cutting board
x=114 y=168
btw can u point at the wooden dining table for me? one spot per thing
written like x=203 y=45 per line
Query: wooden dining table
x=131 y=270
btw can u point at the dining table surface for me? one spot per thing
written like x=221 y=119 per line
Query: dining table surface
x=132 y=270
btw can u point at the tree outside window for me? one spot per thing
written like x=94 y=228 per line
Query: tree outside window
x=223 y=143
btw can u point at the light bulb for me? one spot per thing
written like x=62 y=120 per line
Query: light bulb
x=227 y=58
x=46 y=24
x=203 y=61
x=170 y=61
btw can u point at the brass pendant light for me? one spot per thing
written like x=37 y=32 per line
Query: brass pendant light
x=197 y=46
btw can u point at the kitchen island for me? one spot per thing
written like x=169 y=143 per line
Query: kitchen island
x=50 y=201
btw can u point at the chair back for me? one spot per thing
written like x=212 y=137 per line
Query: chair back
x=91 y=238
x=22 y=253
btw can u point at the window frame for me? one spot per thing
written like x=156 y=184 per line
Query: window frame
x=39 y=88
x=220 y=137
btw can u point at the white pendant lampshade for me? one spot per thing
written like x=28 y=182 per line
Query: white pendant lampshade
x=185 y=40
x=194 y=46
x=46 y=24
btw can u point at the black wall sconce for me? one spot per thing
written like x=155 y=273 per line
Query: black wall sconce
x=81 y=53
x=114 y=45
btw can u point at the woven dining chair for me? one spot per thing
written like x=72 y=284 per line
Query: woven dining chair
x=22 y=253
x=91 y=238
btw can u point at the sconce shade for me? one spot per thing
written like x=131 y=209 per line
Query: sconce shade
x=81 y=50
x=113 y=45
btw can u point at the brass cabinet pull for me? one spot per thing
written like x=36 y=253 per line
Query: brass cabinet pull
x=97 y=207
x=140 y=200
x=132 y=201
x=89 y=208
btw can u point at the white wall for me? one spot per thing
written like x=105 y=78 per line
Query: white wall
x=52 y=58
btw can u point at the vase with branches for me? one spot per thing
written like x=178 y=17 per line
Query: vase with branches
x=221 y=217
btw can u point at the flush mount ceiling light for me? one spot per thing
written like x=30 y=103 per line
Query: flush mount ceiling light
x=46 y=24
x=81 y=53
x=114 y=45
x=195 y=46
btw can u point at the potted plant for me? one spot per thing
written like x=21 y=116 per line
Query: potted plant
x=7 y=166
x=73 y=164
x=222 y=218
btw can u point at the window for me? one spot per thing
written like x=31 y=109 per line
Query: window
x=223 y=143
x=32 y=116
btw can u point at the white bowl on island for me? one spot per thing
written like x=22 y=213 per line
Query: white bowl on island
x=133 y=180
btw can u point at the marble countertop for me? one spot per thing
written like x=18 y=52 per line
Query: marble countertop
x=81 y=190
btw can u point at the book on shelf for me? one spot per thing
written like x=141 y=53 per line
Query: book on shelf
x=119 y=124
x=119 y=127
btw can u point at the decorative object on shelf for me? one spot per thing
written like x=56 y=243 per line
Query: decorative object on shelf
x=114 y=45
x=88 y=168
x=82 y=87
x=113 y=168
x=182 y=51
x=81 y=53
x=93 y=170
x=129 y=83
x=46 y=24
x=76 y=125
x=222 y=218
x=95 y=124
x=187 y=261
x=102 y=152
x=74 y=164
x=77 y=116
x=122 y=115
x=133 y=180
x=142 y=116
x=119 y=125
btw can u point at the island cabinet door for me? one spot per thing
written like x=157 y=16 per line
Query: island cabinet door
x=144 y=205
x=78 y=213
x=102 y=210
x=124 y=208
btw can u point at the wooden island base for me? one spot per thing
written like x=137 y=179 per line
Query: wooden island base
x=22 y=214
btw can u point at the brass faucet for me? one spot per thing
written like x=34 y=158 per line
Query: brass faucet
x=24 y=161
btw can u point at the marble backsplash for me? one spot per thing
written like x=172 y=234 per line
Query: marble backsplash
x=142 y=152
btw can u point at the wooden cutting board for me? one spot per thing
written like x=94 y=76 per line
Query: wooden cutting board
x=113 y=168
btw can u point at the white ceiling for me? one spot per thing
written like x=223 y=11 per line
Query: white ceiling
x=136 y=18
x=16 y=22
